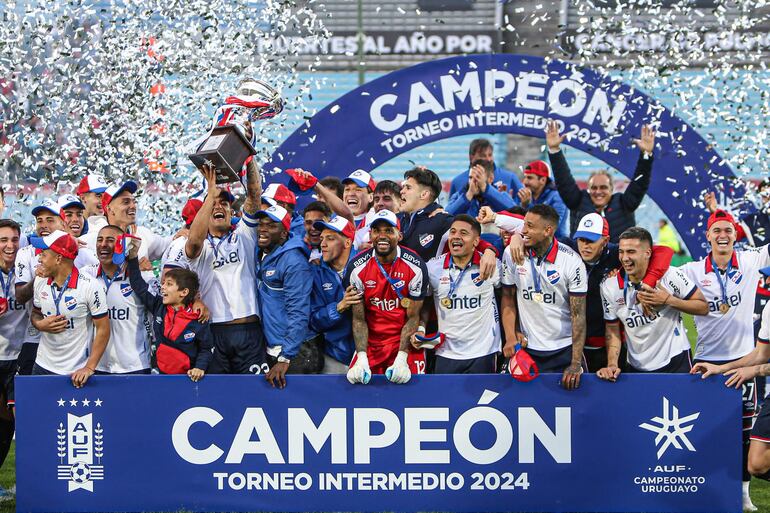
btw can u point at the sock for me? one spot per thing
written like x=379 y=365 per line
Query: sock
x=746 y=488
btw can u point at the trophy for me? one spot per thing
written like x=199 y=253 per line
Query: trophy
x=226 y=146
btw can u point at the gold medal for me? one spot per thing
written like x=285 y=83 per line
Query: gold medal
x=406 y=302
x=724 y=308
x=446 y=302
x=537 y=297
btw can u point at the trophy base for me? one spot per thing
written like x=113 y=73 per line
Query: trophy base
x=226 y=148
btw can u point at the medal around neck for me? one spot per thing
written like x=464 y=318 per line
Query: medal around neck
x=538 y=297
x=446 y=302
x=724 y=308
x=226 y=146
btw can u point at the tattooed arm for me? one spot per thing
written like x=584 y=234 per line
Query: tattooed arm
x=577 y=306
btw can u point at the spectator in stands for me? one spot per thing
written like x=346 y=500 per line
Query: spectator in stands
x=284 y=286
x=503 y=180
x=539 y=190
x=667 y=237
x=334 y=184
x=617 y=207
x=331 y=302
x=479 y=192
x=755 y=225
x=184 y=341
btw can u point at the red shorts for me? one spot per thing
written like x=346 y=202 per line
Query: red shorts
x=382 y=357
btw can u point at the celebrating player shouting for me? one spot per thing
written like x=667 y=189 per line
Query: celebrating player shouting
x=394 y=282
x=465 y=304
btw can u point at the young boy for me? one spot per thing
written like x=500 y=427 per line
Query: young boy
x=184 y=342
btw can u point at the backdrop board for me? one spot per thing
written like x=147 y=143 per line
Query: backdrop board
x=438 y=443
x=502 y=93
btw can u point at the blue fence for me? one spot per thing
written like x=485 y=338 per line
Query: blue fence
x=439 y=443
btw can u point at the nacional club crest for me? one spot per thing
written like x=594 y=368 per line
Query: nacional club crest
x=80 y=446
x=553 y=276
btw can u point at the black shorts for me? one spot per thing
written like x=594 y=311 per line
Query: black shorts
x=596 y=358
x=761 y=430
x=554 y=361
x=238 y=349
x=679 y=364
x=37 y=370
x=8 y=370
x=748 y=396
x=139 y=372
x=481 y=365
x=26 y=358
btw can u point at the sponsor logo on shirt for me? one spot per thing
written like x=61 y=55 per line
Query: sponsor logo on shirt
x=705 y=283
x=635 y=319
x=521 y=271
x=444 y=280
x=269 y=273
x=548 y=297
x=465 y=303
x=119 y=314
x=425 y=239
x=733 y=301
x=386 y=305
x=328 y=286
x=125 y=289
x=370 y=284
x=552 y=276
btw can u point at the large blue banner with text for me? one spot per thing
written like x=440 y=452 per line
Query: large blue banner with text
x=439 y=443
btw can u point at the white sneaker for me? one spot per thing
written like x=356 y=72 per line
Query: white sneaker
x=747 y=504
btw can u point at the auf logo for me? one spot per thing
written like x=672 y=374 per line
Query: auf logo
x=80 y=449
x=672 y=429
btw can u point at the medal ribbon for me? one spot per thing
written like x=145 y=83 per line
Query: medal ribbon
x=454 y=284
x=536 y=271
x=108 y=281
x=626 y=283
x=6 y=285
x=215 y=247
x=392 y=281
x=722 y=284
x=57 y=299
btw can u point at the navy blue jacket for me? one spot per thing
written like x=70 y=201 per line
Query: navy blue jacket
x=505 y=181
x=184 y=342
x=619 y=212
x=337 y=328
x=550 y=196
x=496 y=200
x=284 y=285
x=759 y=226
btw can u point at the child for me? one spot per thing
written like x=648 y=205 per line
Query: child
x=184 y=342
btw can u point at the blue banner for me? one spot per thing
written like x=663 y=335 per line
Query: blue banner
x=516 y=94
x=439 y=443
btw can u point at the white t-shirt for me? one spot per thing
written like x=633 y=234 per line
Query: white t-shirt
x=728 y=336
x=26 y=262
x=471 y=323
x=561 y=274
x=129 y=347
x=651 y=341
x=226 y=272
x=13 y=323
x=82 y=300
x=764 y=328
x=175 y=255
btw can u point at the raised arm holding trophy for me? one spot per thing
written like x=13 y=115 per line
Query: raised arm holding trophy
x=227 y=146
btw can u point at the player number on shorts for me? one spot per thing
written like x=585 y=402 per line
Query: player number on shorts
x=420 y=366
x=495 y=481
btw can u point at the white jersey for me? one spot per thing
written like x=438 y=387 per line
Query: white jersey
x=175 y=255
x=226 y=272
x=470 y=323
x=81 y=300
x=153 y=246
x=95 y=223
x=764 y=328
x=651 y=341
x=129 y=347
x=544 y=316
x=730 y=335
x=26 y=262
x=362 y=224
x=13 y=323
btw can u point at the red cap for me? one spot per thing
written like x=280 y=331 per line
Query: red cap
x=190 y=210
x=278 y=192
x=537 y=167
x=91 y=183
x=338 y=224
x=59 y=242
x=720 y=215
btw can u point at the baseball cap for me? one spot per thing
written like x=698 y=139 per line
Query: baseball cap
x=592 y=227
x=361 y=178
x=278 y=192
x=70 y=200
x=115 y=189
x=720 y=215
x=91 y=183
x=48 y=204
x=278 y=214
x=537 y=167
x=190 y=210
x=387 y=216
x=338 y=224
x=59 y=242
x=227 y=192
